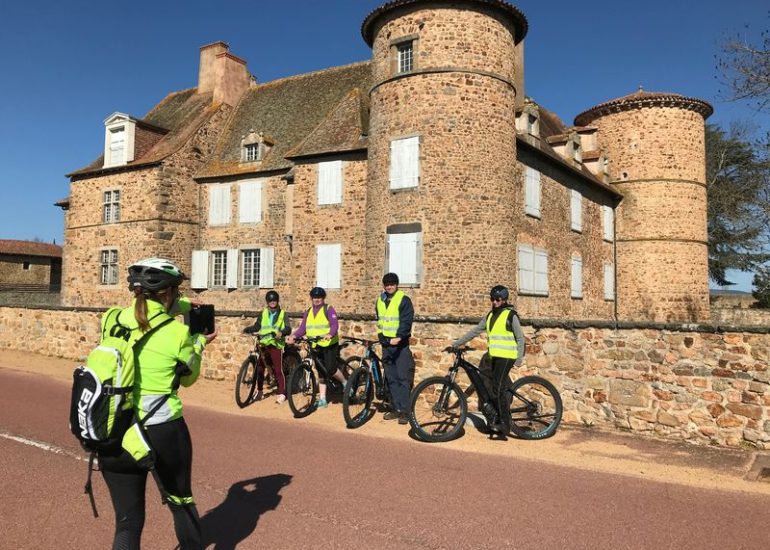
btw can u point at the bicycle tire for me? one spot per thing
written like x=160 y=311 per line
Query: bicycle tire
x=357 y=397
x=246 y=382
x=302 y=390
x=535 y=406
x=437 y=410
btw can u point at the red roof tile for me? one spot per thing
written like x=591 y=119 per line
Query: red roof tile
x=29 y=248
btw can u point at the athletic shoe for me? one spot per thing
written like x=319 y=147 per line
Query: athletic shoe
x=403 y=419
x=322 y=404
x=280 y=399
x=391 y=415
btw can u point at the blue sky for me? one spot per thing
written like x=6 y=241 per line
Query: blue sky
x=66 y=66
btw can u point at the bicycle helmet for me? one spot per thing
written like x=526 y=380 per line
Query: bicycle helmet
x=154 y=274
x=317 y=292
x=499 y=292
x=272 y=296
x=390 y=279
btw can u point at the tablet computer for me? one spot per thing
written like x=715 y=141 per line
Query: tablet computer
x=202 y=319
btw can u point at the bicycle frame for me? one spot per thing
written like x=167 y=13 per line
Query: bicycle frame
x=311 y=354
x=474 y=374
x=373 y=363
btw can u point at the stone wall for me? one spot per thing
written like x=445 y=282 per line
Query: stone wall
x=740 y=317
x=684 y=382
x=12 y=270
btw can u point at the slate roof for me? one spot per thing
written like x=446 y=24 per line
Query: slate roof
x=642 y=98
x=517 y=17
x=312 y=113
x=29 y=248
x=181 y=113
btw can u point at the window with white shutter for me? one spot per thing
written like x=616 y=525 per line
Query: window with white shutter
x=231 y=278
x=330 y=182
x=250 y=263
x=404 y=163
x=532 y=192
x=328 y=270
x=199 y=278
x=533 y=270
x=219 y=204
x=117 y=150
x=404 y=257
x=609 y=282
x=608 y=223
x=249 y=201
x=577 y=277
x=266 y=267
x=576 y=210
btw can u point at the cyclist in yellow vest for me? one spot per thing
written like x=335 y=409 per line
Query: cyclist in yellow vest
x=168 y=350
x=505 y=347
x=273 y=326
x=395 y=315
x=320 y=320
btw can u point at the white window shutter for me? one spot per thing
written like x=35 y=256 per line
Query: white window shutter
x=330 y=182
x=266 y=262
x=526 y=269
x=250 y=202
x=404 y=256
x=541 y=271
x=608 y=218
x=328 y=265
x=219 y=204
x=577 y=277
x=199 y=278
x=231 y=280
x=411 y=170
x=576 y=202
x=532 y=192
x=609 y=282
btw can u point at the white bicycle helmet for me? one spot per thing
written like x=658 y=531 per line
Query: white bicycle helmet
x=154 y=274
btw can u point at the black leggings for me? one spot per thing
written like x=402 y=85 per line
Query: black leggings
x=126 y=482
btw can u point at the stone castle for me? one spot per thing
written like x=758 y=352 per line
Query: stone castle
x=428 y=160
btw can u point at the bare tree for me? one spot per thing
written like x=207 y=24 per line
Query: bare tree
x=745 y=68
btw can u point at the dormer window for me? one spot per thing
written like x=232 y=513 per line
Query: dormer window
x=119 y=133
x=577 y=151
x=528 y=120
x=252 y=152
x=254 y=147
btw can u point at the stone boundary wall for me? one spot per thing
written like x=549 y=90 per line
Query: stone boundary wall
x=30 y=299
x=740 y=316
x=706 y=384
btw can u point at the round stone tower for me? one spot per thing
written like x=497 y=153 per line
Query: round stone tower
x=443 y=90
x=655 y=143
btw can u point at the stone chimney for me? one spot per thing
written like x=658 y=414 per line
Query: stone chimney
x=222 y=73
x=518 y=78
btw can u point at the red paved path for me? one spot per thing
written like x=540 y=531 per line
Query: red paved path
x=277 y=484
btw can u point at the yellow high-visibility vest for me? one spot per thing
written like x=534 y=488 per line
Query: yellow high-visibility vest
x=387 y=317
x=502 y=342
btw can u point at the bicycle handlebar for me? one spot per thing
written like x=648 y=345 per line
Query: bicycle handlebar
x=363 y=341
x=458 y=351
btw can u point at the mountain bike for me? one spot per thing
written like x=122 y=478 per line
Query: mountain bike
x=246 y=381
x=302 y=384
x=364 y=383
x=439 y=407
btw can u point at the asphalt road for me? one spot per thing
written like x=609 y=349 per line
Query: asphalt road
x=271 y=483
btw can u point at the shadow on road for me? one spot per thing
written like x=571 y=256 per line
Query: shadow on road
x=235 y=519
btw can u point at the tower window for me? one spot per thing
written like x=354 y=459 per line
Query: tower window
x=405 y=57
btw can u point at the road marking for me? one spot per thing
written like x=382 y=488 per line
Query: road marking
x=41 y=445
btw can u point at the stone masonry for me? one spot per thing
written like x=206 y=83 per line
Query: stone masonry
x=681 y=382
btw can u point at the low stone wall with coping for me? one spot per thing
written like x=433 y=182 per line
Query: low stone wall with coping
x=706 y=384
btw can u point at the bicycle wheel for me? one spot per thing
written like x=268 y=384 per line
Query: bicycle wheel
x=246 y=382
x=302 y=390
x=357 y=397
x=535 y=406
x=438 y=409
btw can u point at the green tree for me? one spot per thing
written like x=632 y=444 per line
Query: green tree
x=761 y=290
x=738 y=180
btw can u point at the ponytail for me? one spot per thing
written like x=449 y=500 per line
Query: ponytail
x=140 y=311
